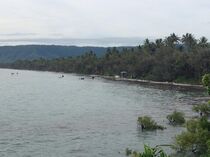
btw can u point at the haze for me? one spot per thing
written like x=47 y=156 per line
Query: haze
x=35 y=20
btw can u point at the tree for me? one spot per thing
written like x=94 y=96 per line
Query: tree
x=159 y=43
x=196 y=138
x=206 y=82
x=203 y=42
x=189 y=41
x=156 y=61
x=172 y=40
x=149 y=46
x=146 y=43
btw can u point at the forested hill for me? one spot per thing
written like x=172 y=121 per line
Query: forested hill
x=30 y=52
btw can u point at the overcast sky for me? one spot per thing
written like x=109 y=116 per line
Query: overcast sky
x=102 y=18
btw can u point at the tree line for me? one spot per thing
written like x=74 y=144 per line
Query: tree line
x=179 y=59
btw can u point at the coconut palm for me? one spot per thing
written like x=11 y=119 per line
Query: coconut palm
x=159 y=43
x=149 y=45
x=146 y=43
x=172 y=40
x=203 y=42
x=189 y=41
x=174 y=37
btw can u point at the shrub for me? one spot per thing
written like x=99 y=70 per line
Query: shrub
x=176 y=118
x=147 y=123
x=203 y=109
x=206 y=82
x=196 y=138
x=148 y=152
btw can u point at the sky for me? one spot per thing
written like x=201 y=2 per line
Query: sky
x=98 y=19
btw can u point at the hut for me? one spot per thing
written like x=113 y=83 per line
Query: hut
x=123 y=74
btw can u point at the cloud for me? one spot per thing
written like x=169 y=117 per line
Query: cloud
x=19 y=34
x=103 y=18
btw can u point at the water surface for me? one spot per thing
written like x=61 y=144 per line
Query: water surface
x=42 y=115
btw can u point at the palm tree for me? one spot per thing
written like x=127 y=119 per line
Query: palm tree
x=203 y=42
x=172 y=40
x=159 y=43
x=151 y=46
x=174 y=37
x=189 y=41
x=146 y=43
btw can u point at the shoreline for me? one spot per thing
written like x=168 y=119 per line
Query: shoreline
x=167 y=85
x=162 y=85
x=200 y=98
x=182 y=87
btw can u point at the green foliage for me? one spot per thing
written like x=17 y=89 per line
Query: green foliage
x=203 y=42
x=176 y=118
x=189 y=41
x=148 y=152
x=147 y=123
x=196 y=138
x=194 y=141
x=206 y=82
x=162 y=60
x=128 y=151
x=182 y=79
x=203 y=109
x=208 y=146
x=185 y=141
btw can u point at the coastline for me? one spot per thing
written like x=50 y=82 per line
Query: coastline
x=162 y=85
x=167 y=85
x=200 y=98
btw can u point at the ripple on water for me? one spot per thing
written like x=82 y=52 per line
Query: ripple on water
x=42 y=115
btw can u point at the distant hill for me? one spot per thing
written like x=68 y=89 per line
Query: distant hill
x=29 y=52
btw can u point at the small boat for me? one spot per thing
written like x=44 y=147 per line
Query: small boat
x=62 y=76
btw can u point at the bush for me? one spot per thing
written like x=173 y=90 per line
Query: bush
x=176 y=118
x=147 y=123
x=196 y=138
x=148 y=152
x=203 y=109
x=206 y=82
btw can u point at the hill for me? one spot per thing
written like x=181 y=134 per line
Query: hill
x=29 y=52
